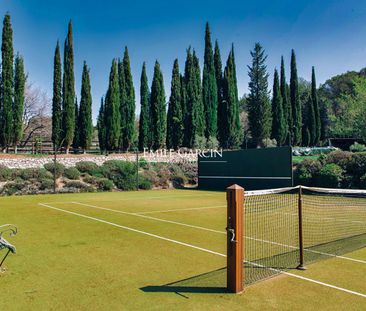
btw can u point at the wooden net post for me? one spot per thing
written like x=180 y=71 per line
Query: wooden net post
x=235 y=201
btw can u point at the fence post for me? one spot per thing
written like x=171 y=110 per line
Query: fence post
x=235 y=201
x=301 y=266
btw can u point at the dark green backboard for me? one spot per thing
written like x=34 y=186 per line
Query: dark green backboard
x=252 y=169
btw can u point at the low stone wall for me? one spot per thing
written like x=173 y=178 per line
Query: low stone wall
x=14 y=161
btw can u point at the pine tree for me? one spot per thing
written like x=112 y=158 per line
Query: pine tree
x=175 y=133
x=279 y=129
x=231 y=104
x=57 y=99
x=314 y=98
x=194 y=118
x=6 y=91
x=85 y=113
x=259 y=107
x=18 y=108
x=127 y=103
x=68 y=92
x=158 y=110
x=220 y=104
x=209 y=88
x=286 y=107
x=295 y=102
x=144 y=124
x=101 y=128
x=112 y=110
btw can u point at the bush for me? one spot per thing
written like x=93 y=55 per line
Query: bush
x=212 y=143
x=88 y=167
x=363 y=182
x=90 y=179
x=105 y=184
x=305 y=172
x=122 y=173
x=177 y=176
x=329 y=176
x=46 y=184
x=35 y=173
x=60 y=168
x=145 y=184
x=5 y=173
x=356 y=147
x=269 y=143
x=356 y=168
x=341 y=158
x=13 y=187
x=76 y=184
x=143 y=163
x=72 y=173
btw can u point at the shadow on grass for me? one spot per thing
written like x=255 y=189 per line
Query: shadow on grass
x=213 y=282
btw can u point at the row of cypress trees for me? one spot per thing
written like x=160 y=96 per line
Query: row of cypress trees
x=284 y=118
x=71 y=123
x=200 y=112
x=12 y=88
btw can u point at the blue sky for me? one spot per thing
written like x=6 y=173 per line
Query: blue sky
x=330 y=35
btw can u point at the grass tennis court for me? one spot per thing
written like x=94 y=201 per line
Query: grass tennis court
x=154 y=250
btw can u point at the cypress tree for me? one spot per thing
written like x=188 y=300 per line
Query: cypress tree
x=184 y=104
x=295 y=102
x=194 y=119
x=57 y=98
x=6 y=91
x=144 y=123
x=101 y=128
x=158 y=109
x=231 y=104
x=85 y=113
x=308 y=128
x=112 y=110
x=18 y=109
x=175 y=133
x=127 y=103
x=315 y=103
x=220 y=105
x=286 y=107
x=75 y=141
x=259 y=108
x=122 y=97
x=279 y=129
x=68 y=90
x=209 y=88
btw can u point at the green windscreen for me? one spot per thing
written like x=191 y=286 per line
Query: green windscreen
x=252 y=169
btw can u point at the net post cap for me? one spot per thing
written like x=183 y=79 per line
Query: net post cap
x=235 y=187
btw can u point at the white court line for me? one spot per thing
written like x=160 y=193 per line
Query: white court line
x=217 y=231
x=200 y=248
x=180 y=209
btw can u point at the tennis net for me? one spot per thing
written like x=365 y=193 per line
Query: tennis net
x=287 y=227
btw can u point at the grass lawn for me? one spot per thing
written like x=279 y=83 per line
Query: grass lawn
x=298 y=159
x=149 y=250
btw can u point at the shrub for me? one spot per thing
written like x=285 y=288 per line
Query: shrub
x=143 y=163
x=329 y=176
x=60 y=168
x=145 y=184
x=122 y=173
x=72 y=173
x=305 y=172
x=269 y=143
x=13 y=187
x=363 y=182
x=35 y=173
x=212 y=143
x=341 y=158
x=76 y=184
x=177 y=176
x=105 y=184
x=46 y=184
x=87 y=167
x=5 y=173
x=90 y=179
x=356 y=147
x=356 y=168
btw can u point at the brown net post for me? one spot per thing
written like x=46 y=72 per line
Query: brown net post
x=235 y=202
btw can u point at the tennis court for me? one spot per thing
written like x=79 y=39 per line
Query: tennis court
x=167 y=250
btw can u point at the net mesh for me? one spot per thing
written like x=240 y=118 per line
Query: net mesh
x=334 y=223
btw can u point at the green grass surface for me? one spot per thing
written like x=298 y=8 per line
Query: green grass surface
x=69 y=262
x=298 y=159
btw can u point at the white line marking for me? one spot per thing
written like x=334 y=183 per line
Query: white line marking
x=181 y=209
x=216 y=231
x=200 y=248
x=243 y=177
